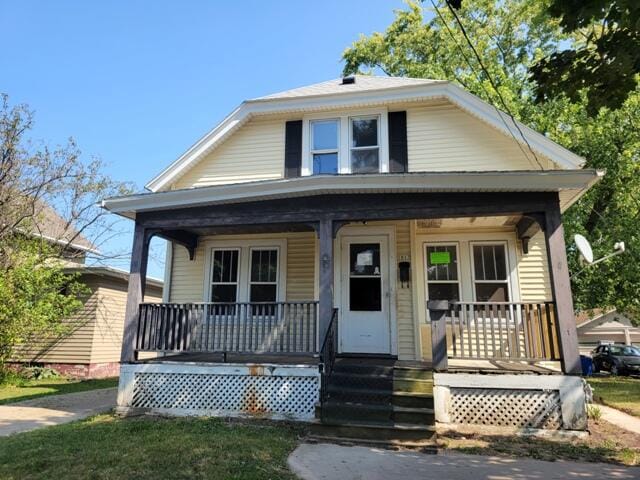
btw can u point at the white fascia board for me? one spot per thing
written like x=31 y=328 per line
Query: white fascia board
x=499 y=181
x=444 y=89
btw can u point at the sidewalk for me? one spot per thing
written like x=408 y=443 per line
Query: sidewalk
x=54 y=410
x=335 y=462
x=620 y=419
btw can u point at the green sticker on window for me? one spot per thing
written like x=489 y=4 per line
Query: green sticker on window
x=440 y=258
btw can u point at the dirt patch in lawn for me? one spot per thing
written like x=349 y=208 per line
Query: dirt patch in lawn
x=606 y=443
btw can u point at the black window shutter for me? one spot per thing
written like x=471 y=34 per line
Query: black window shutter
x=293 y=149
x=398 y=157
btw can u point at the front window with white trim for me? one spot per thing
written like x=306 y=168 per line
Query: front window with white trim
x=224 y=275
x=490 y=272
x=263 y=283
x=443 y=278
x=365 y=148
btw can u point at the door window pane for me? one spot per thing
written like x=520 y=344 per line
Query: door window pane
x=364 y=259
x=365 y=277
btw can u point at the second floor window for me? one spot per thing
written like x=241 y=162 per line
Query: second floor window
x=325 y=146
x=365 y=151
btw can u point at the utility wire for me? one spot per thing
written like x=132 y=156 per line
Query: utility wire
x=493 y=84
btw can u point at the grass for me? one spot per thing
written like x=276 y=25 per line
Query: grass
x=107 y=447
x=19 y=389
x=622 y=393
x=606 y=443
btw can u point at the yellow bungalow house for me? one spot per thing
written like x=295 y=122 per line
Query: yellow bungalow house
x=372 y=254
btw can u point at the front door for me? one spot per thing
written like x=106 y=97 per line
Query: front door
x=364 y=313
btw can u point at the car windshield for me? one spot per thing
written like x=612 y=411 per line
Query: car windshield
x=625 y=351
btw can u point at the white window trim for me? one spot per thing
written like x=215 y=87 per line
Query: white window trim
x=344 y=138
x=458 y=282
x=237 y=282
x=508 y=281
x=244 y=274
x=250 y=282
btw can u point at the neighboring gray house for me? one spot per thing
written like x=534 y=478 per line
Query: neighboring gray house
x=600 y=326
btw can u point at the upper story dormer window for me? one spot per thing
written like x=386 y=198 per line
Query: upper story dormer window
x=345 y=143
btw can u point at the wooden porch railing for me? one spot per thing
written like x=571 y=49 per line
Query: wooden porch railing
x=518 y=331
x=502 y=330
x=279 y=327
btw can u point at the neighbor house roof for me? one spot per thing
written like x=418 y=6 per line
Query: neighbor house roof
x=365 y=92
x=46 y=223
x=110 y=272
x=570 y=184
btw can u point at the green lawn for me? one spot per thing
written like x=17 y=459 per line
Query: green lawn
x=106 y=447
x=619 y=392
x=28 y=389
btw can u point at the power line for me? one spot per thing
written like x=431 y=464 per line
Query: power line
x=486 y=72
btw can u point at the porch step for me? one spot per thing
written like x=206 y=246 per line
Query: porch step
x=376 y=400
x=336 y=411
x=389 y=433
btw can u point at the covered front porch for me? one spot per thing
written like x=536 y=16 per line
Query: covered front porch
x=360 y=299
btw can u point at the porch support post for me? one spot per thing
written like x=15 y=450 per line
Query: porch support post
x=325 y=236
x=561 y=288
x=135 y=293
x=438 y=316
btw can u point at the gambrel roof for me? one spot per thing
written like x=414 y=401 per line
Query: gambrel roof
x=365 y=91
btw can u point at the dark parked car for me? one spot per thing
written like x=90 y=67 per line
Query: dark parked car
x=617 y=359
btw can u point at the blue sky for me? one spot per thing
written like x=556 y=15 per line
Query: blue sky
x=137 y=82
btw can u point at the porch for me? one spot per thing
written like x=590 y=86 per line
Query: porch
x=359 y=298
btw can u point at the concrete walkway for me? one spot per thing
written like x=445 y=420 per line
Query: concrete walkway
x=620 y=419
x=335 y=462
x=54 y=410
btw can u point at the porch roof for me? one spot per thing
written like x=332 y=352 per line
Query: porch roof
x=570 y=184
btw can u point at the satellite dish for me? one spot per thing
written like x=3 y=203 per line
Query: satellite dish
x=584 y=248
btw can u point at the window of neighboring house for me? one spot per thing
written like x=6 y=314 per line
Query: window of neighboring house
x=325 y=143
x=490 y=272
x=364 y=147
x=443 y=279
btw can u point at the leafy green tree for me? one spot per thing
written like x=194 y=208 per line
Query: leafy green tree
x=510 y=36
x=36 y=296
x=604 y=57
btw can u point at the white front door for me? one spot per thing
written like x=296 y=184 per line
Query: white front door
x=365 y=293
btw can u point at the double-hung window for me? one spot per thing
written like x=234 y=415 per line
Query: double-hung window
x=263 y=282
x=344 y=143
x=224 y=279
x=365 y=147
x=325 y=142
x=490 y=272
x=443 y=281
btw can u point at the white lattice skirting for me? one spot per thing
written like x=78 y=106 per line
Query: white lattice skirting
x=274 y=391
x=554 y=402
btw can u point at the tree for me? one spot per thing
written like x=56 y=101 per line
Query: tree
x=510 y=37
x=36 y=296
x=604 y=57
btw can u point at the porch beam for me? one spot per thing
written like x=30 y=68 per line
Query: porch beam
x=325 y=283
x=136 y=289
x=350 y=208
x=187 y=239
x=561 y=288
